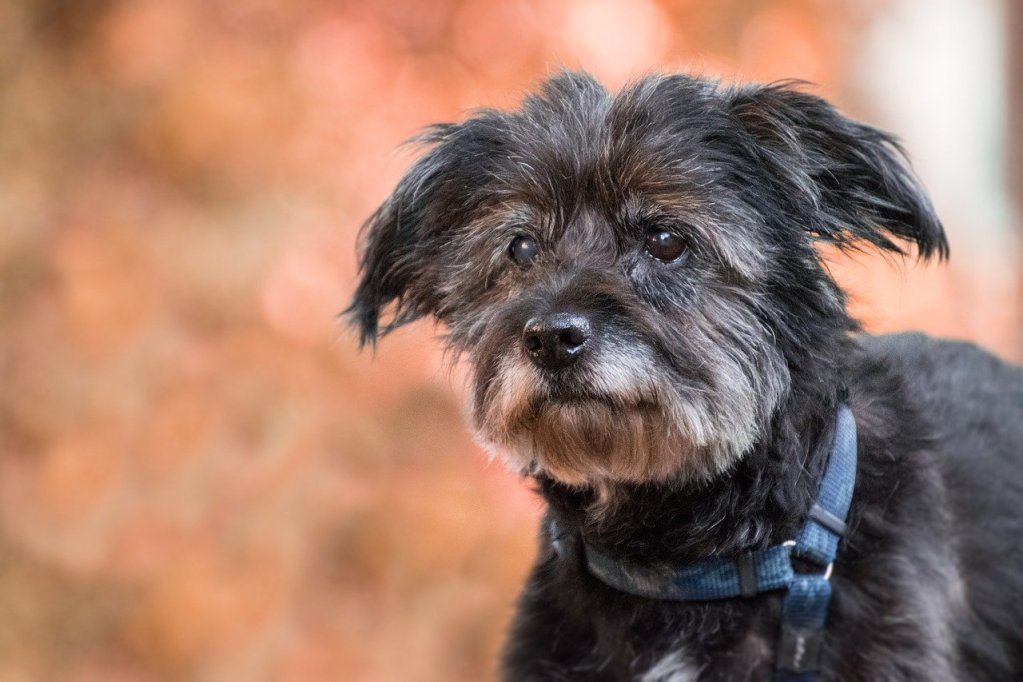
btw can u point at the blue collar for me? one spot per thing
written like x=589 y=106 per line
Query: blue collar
x=805 y=608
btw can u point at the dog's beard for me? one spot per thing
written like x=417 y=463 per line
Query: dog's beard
x=589 y=440
x=619 y=419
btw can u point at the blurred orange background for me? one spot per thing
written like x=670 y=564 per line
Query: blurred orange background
x=201 y=477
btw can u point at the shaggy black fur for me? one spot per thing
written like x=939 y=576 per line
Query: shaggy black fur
x=697 y=421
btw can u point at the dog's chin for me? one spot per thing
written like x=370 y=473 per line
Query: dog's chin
x=589 y=440
x=596 y=440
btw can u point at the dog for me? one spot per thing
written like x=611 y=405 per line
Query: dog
x=740 y=484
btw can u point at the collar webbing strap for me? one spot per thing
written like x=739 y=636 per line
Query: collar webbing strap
x=724 y=578
x=805 y=608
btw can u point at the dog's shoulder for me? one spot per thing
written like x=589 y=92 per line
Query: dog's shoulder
x=953 y=409
x=959 y=386
x=943 y=363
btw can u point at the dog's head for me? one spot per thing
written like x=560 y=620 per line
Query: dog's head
x=634 y=277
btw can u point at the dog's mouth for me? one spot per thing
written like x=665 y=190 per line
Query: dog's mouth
x=595 y=384
x=562 y=399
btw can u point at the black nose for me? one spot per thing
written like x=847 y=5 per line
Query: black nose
x=556 y=341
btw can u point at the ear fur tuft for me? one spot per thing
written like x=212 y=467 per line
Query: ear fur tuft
x=854 y=178
x=392 y=241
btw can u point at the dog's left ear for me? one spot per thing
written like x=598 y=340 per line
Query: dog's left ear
x=853 y=178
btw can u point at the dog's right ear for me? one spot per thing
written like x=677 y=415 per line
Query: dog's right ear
x=850 y=183
x=400 y=241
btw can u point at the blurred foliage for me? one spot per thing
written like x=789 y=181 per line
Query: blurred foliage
x=201 y=478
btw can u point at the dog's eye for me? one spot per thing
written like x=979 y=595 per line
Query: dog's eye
x=665 y=246
x=523 y=251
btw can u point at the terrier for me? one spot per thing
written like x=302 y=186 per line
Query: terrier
x=740 y=484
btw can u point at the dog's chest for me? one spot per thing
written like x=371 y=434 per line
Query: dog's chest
x=748 y=658
x=675 y=666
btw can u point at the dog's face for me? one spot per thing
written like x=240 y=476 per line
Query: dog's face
x=634 y=278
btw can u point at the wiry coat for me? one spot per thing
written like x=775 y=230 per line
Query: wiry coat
x=697 y=422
